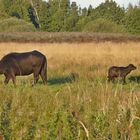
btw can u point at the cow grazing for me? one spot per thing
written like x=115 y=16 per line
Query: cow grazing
x=18 y=64
x=122 y=72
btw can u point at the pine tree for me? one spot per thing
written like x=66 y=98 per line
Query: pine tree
x=54 y=15
x=15 y=8
x=73 y=17
x=84 y=18
x=109 y=10
x=19 y=9
x=59 y=10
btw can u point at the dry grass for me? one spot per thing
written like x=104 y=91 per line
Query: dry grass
x=103 y=54
x=69 y=37
x=102 y=109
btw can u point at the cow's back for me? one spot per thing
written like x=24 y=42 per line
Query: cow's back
x=23 y=63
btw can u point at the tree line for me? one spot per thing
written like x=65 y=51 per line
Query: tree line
x=62 y=15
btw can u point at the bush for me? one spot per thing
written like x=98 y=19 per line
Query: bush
x=15 y=25
x=103 y=25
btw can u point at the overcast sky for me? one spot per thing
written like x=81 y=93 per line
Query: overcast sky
x=94 y=3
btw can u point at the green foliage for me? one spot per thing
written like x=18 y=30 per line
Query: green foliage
x=5 y=121
x=5 y=6
x=62 y=125
x=15 y=8
x=61 y=15
x=108 y=10
x=44 y=16
x=103 y=25
x=19 y=9
x=73 y=17
x=15 y=25
x=101 y=125
x=132 y=20
x=81 y=23
x=31 y=131
x=83 y=19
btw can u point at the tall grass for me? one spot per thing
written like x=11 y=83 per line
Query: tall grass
x=78 y=103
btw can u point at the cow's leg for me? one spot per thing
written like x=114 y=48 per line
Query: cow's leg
x=36 y=77
x=9 y=75
x=13 y=79
x=7 y=78
x=44 y=76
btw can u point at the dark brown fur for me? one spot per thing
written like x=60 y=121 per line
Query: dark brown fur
x=17 y=64
x=122 y=72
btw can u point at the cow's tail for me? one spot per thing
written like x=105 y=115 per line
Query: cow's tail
x=44 y=70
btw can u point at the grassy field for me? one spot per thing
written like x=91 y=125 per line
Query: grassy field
x=78 y=103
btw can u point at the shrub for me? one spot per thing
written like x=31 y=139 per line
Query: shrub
x=15 y=25
x=103 y=25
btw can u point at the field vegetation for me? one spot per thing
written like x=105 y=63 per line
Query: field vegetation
x=78 y=103
x=69 y=37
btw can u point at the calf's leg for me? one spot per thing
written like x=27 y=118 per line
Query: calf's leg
x=124 y=81
x=112 y=79
x=108 y=79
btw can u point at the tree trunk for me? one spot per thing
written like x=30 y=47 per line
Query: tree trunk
x=35 y=12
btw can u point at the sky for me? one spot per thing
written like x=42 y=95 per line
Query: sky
x=95 y=3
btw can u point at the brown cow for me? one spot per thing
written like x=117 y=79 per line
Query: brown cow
x=17 y=64
x=115 y=72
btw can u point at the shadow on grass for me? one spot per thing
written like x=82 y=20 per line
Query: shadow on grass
x=60 y=80
x=54 y=80
x=63 y=79
x=134 y=79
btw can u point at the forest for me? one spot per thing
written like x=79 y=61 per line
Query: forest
x=66 y=16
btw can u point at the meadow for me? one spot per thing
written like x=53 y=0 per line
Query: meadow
x=78 y=103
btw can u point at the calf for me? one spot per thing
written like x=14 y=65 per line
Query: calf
x=122 y=72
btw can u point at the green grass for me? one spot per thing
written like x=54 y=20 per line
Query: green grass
x=55 y=111
x=78 y=103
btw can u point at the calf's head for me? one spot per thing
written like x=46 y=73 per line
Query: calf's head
x=132 y=67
